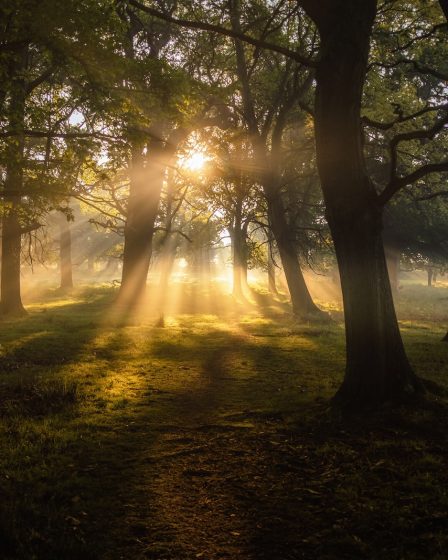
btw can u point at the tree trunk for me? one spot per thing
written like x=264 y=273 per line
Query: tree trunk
x=430 y=273
x=10 y=297
x=144 y=196
x=237 y=289
x=444 y=7
x=393 y=266
x=65 y=254
x=377 y=369
x=272 y=285
x=11 y=301
x=169 y=256
x=239 y=264
x=239 y=251
x=302 y=302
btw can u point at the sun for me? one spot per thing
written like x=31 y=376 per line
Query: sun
x=195 y=161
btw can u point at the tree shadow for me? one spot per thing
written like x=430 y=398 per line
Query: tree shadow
x=224 y=451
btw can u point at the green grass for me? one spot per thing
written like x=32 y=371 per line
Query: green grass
x=212 y=437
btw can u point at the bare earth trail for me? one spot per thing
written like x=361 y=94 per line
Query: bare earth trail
x=201 y=481
x=215 y=468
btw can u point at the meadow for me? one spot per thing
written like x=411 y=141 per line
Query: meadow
x=211 y=435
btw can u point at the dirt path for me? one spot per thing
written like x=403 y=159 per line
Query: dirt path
x=208 y=439
x=200 y=482
x=197 y=481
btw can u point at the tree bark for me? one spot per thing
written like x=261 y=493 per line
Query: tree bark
x=272 y=285
x=144 y=196
x=65 y=254
x=301 y=300
x=444 y=7
x=377 y=368
x=11 y=301
x=393 y=266
x=239 y=251
x=10 y=297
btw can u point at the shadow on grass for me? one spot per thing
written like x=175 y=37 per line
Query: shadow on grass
x=90 y=491
x=220 y=451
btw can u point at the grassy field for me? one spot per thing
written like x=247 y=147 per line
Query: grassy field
x=212 y=437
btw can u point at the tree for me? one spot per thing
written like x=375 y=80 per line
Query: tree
x=65 y=253
x=10 y=300
x=266 y=138
x=444 y=7
x=155 y=139
x=40 y=94
x=265 y=114
x=377 y=368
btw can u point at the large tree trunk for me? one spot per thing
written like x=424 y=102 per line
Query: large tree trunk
x=144 y=196
x=10 y=297
x=11 y=301
x=393 y=265
x=377 y=368
x=65 y=254
x=239 y=252
x=444 y=7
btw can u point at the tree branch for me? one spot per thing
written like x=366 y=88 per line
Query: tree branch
x=399 y=182
x=40 y=79
x=30 y=227
x=420 y=68
x=401 y=119
x=432 y=195
x=406 y=137
x=226 y=32
x=46 y=134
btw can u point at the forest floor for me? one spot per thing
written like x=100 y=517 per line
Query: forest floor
x=212 y=437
